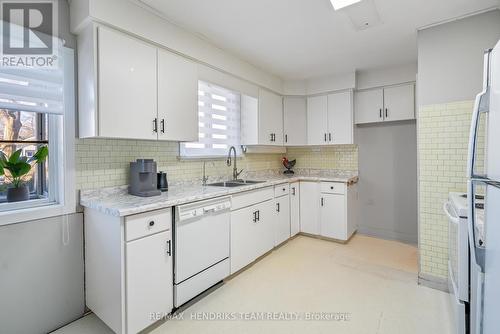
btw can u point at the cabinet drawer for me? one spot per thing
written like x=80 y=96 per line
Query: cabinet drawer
x=251 y=197
x=333 y=188
x=143 y=224
x=281 y=189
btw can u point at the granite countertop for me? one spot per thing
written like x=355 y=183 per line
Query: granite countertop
x=117 y=202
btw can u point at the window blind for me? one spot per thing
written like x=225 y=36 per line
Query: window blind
x=30 y=88
x=219 y=122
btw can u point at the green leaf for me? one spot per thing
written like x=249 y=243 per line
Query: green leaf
x=14 y=158
x=2 y=172
x=19 y=169
x=40 y=155
x=3 y=159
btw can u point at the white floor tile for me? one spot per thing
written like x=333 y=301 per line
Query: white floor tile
x=373 y=280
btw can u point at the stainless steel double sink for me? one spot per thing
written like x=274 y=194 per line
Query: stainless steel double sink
x=235 y=183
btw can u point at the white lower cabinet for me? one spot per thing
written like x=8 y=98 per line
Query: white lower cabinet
x=328 y=209
x=337 y=212
x=128 y=268
x=309 y=207
x=294 y=208
x=282 y=220
x=149 y=274
x=252 y=231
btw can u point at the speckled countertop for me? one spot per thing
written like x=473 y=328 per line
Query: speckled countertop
x=116 y=201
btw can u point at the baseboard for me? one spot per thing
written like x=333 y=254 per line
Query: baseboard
x=433 y=282
x=388 y=235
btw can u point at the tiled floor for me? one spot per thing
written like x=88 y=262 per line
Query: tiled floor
x=372 y=281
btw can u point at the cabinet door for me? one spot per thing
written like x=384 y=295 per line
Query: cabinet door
x=309 y=207
x=127 y=86
x=177 y=98
x=340 y=123
x=294 y=208
x=317 y=120
x=264 y=239
x=333 y=217
x=243 y=237
x=270 y=118
x=368 y=106
x=282 y=220
x=295 y=120
x=149 y=279
x=399 y=103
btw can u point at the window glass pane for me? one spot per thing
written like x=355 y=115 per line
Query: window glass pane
x=219 y=122
x=25 y=131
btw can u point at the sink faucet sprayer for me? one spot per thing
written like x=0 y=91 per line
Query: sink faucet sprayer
x=228 y=162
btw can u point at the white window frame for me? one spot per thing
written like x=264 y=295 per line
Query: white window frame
x=62 y=181
x=182 y=153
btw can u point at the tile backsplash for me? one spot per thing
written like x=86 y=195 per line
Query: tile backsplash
x=325 y=157
x=105 y=162
x=443 y=133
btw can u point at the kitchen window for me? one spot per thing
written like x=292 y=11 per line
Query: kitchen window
x=218 y=124
x=37 y=109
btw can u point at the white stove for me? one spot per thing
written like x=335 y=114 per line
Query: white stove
x=458 y=263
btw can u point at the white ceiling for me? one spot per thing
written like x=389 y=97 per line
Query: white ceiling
x=299 y=39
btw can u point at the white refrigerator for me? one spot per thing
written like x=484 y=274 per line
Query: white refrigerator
x=484 y=232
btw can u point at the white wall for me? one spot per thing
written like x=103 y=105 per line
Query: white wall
x=41 y=276
x=450 y=58
x=320 y=85
x=137 y=20
x=386 y=76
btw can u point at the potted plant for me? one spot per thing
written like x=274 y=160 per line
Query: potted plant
x=18 y=167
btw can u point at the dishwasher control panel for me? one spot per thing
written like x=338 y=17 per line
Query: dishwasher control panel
x=199 y=209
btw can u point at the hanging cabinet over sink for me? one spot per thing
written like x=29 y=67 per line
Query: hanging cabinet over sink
x=131 y=89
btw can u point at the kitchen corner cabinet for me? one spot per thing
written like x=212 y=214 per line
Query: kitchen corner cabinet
x=282 y=219
x=294 y=121
x=262 y=119
x=128 y=268
x=394 y=103
x=309 y=207
x=294 y=208
x=330 y=119
x=131 y=89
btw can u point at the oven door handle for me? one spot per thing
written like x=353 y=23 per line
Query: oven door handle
x=454 y=219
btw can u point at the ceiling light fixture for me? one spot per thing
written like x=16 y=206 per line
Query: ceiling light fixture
x=339 y=4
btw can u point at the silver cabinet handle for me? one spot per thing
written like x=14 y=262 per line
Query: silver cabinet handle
x=386 y=114
x=169 y=247
x=380 y=113
x=155 y=125
x=162 y=125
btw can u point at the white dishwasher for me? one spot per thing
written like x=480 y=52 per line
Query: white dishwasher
x=201 y=247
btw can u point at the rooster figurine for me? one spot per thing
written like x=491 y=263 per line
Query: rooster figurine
x=288 y=165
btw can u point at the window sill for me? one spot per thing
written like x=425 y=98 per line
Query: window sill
x=33 y=213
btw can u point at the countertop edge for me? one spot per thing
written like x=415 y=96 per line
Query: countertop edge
x=123 y=212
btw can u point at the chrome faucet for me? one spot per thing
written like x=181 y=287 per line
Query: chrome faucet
x=228 y=162
x=205 y=176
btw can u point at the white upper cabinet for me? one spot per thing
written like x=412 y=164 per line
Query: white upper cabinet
x=393 y=103
x=329 y=119
x=131 y=89
x=340 y=122
x=270 y=118
x=399 y=103
x=127 y=86
x=262 y=119
x=317 y=120
x=369 y=106
x=294 y=121
x=177 y=98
